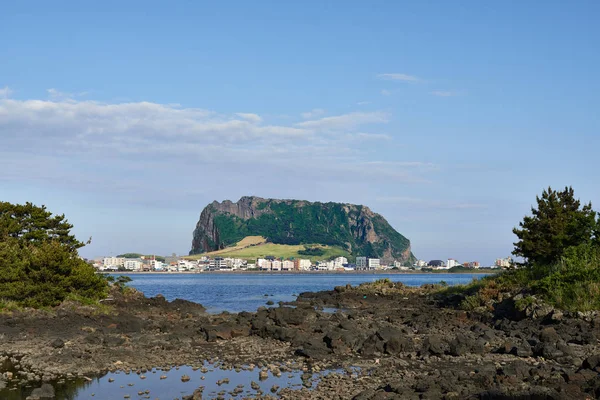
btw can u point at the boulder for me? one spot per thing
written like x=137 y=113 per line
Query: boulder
x=45 y=392
x=549 y=335
x=434 y=345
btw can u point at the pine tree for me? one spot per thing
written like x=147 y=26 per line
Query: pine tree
x=558 y=223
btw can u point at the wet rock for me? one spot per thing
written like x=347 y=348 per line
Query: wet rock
x=224 y=331
x=313 y=348
x=45 y=392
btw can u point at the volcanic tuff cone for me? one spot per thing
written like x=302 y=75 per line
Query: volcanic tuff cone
x=354 y=228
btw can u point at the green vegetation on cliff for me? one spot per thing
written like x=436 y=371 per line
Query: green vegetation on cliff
x=39 y=264
x=353 y=228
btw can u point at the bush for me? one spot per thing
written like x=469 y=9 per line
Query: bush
x=574 y=282
x=46 y=274
x=311 y=251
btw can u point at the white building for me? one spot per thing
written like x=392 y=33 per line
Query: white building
x=113 y=262
x=263 y=264
x=340 y=261
x=288 y=265
x=301 y=264
x=305 y=264
x=133 y=264
x=399 y=265
x=276 y=265
x=420 y=263
x=157 y=265
x=374 y=263
x=234 y=263
x=503 y=262
x=186 y=265
x=451 y=263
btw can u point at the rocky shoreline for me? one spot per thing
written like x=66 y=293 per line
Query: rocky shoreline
x=385 y=340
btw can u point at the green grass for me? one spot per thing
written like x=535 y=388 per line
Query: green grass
x=276 y=250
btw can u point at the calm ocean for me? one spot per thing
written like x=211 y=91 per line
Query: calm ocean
x=237 y=292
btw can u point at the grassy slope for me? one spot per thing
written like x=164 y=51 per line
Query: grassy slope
x=285 y=251
x=242 y=244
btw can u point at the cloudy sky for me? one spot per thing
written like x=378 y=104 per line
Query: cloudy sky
x=448 y=118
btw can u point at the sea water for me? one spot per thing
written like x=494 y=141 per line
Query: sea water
x=235 y=292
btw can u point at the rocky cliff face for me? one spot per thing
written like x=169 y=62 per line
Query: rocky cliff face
x=353 y=227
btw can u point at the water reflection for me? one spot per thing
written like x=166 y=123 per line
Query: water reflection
x=215 y=381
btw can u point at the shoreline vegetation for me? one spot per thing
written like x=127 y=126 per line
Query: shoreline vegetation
x=531 y=332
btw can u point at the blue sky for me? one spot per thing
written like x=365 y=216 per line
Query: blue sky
x=448 y=118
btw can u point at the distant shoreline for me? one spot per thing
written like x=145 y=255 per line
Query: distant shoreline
x=383 y=272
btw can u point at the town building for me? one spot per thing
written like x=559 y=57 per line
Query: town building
x=339 y=262
x=217 y=263
x=276 y=265
x=399 y=265
x=133 y=264
x=287 y=265
x=113 y=262
x=361 y=263
x=451 y=263
x=437 y=264
x=503 y=262
x=186 y=265
x=472 y=264
x=374 y=263
x=301 y=264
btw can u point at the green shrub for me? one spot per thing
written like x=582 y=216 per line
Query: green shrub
x=45 y=274
x=574 y=282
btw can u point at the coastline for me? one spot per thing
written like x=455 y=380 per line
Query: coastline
x=383 y=338
x=241 y=272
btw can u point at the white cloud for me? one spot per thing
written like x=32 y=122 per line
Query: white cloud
x=56 y=94
x=399 y=77
x=386 y=92
x=69 y=126
x=250 y=117
x=368 y=136
x=346 y=121
x=419 y=164
x=363 y=103
x=315 y=112
x=102 y=148
x=442 y=93
x=5 y=92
